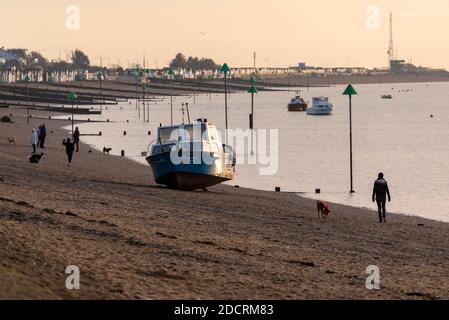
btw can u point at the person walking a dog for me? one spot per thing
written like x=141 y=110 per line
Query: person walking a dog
x=380 y=193
x=34 y=140
x=76 y=139
x=69 y=148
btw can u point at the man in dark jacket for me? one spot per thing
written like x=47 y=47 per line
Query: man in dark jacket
x=42 y=136
x=380 y=193
x=69 y=147
x=76 y=139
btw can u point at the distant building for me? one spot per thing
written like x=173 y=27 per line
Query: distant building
x=398 y=66
x=302 y=66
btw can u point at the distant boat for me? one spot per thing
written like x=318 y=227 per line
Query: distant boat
x=190 y=157
x=387 y=96
x=320 y=107
x=297 y=104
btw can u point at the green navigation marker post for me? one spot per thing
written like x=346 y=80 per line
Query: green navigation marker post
x=170 y=75
x=27 y=79
x=143 y=102
x=225 y=69
x=252 y=90
x=72 y=97
x=350 y=91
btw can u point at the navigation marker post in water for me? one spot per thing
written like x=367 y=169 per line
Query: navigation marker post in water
x=143 y=101
x=252 y=90
x=27 y=79
x=225 y=69
x=72 y=97
x=171 y=74
x=136 y=75
x=350 y=91
x=148 y=72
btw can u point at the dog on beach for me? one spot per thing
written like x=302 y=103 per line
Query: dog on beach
x=12 y=140
x=323 y=209
x=106 y=150
x=35 y=158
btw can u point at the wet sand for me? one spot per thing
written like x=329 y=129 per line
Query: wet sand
x=132 y=239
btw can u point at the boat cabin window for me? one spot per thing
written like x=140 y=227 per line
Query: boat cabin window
x=170 y=134
x=190 y=132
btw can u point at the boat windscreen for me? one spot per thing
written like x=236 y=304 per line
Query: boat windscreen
x=195 y=132
x=169 y=134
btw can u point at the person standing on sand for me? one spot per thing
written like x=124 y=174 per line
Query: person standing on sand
x=34 y=140
x=69 y=147
x=42 y=136
x=76 y=139
x=380 y=193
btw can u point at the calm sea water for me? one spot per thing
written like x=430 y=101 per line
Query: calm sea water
x=398 y=137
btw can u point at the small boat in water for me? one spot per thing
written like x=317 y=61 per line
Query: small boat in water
x=387 y=96
x=190 y=157
x=320 y=107
x=297 y=104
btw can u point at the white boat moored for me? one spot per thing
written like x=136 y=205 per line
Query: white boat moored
x=320 y=107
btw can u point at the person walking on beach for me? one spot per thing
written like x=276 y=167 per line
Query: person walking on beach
x=69 y=147
x=380 y=193
x=76 y=139
x=42 y=136
x=34 y=140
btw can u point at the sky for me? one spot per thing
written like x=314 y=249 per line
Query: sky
x=283 y=33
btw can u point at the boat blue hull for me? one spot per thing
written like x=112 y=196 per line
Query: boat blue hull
x=188 y=176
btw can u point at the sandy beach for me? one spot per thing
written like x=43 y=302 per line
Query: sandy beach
x=133 y=239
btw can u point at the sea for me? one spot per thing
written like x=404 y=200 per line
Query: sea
x=406 y=138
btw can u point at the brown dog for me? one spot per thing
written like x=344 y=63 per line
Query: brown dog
x=323 y=209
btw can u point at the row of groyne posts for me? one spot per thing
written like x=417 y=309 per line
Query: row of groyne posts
x=72 y=97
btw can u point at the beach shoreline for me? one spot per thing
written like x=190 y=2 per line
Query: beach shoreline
x=135 y=240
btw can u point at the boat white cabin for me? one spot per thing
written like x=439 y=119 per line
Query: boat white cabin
x=320 y=107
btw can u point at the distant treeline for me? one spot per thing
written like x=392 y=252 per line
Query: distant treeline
x=32 y=60
x=193 y=63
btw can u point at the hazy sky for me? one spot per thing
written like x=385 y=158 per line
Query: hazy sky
x=282 y=32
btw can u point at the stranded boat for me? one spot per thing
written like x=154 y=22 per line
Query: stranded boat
x=190 y=156
x=297 y=104
x=320 y=107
